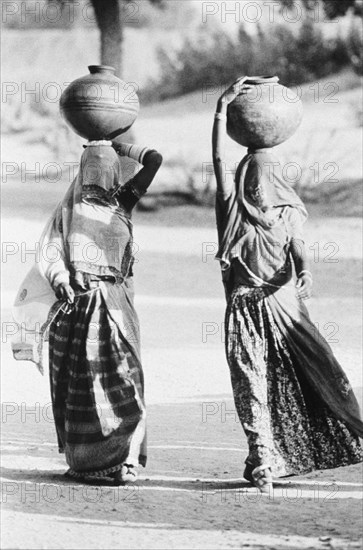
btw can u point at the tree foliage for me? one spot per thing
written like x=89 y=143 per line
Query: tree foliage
x=208 y=59
x=332 y=8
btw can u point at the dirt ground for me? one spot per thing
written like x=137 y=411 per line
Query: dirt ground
x=191 y=494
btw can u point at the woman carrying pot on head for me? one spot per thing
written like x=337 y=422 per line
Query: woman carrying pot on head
x=293 y=399
x=96 y=377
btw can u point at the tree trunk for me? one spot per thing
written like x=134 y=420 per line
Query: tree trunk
x=110 y=24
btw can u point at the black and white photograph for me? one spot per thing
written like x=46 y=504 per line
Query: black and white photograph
x=181 y=274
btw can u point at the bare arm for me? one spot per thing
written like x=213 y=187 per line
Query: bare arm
x=304 y=282
x=151 y=163
x=219 y=135
x=218 y=146
x=149 y=158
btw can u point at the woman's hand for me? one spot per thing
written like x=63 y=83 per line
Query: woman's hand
x=234 y=90
x=304 y=285
x=64 y=291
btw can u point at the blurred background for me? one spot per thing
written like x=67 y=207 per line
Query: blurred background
x=181 y=55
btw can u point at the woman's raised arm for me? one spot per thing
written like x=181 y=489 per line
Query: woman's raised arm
x=219 y=135
x=139 y=183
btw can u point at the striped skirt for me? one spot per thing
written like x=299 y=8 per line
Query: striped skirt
x=286 y=422
x=96 y=388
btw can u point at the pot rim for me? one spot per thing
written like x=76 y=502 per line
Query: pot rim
x=263 y=79
x=94 y=69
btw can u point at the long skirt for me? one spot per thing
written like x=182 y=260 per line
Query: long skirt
x=96 y=388
x=287 y=424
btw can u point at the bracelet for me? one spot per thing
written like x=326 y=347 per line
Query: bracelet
x=95 y=143
x=132 y=151
x=307 y=272
x=220 y=116
x=129 y=186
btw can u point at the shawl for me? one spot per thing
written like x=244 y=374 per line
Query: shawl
x=96 y=231
x=244 y=231
x=87 y=233
x=236 y=216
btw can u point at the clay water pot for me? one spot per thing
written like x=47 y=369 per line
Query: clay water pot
x=99 y=105
x=264 y=116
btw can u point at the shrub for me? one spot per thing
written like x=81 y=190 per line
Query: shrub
x=355 y=48
x=216 y=58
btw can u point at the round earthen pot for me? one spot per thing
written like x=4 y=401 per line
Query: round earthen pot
x=99 y=105
x=265 y=115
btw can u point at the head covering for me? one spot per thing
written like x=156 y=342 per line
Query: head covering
x=100 y=166
x=97 y=233
x=258 y=171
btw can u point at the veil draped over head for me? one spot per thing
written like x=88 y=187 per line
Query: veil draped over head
x=235 y=216
x=96 y=231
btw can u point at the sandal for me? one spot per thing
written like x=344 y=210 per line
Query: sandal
x=260 y=477
x=128 y=473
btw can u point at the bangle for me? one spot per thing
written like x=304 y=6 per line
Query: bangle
x=306 y=272
x=220 y=116
x=132 y=151
x=95 y=143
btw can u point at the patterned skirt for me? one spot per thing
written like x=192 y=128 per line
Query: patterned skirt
x=97 y=389
x=286 y=422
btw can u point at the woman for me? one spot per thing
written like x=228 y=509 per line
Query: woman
x=293 y=399
x=96 y=378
